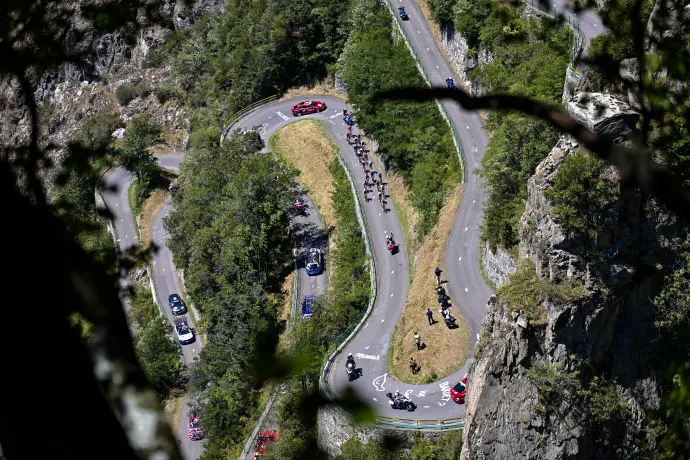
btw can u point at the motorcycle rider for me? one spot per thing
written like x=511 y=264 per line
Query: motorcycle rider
x=350 y=359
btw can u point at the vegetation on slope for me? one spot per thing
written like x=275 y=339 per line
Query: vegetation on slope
x=413 y=138
x=229 y=231
x=529 y=59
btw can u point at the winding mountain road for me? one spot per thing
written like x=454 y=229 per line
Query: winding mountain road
x=466 y=286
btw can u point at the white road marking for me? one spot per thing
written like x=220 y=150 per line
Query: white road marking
x=474 y=201
x=122 y=220
x=476 y=150
x=417 y=31
x=466 y=228
x=468 y=126
x=437 y=67
x=119 y=240
x=391 y=295
x=383 y=319
x=467 y=290
x=371 y=357
x=332 y=122
x=426 y=407
x=333 y=116
x=427 y=49
x=117 y=204
x=422 y=393
x=283 y=116
x=367 y=347
x=379 y=214
x=595 y=25
x=379 y=381
x=393 y=272
x=375 y=399
x=460 y=258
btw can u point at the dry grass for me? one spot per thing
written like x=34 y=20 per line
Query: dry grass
x=446 y=349
x=173 y=411
x=285 y=309
x=326 y=87
x=151 y=207
x=289 y=143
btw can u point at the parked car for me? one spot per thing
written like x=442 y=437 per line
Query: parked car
x=458 y=392
x=263 y=441
x=313 y=261
x=184 y=333
x=307 y=310
x=195 y=431
x=307 y=107
x=176 y=304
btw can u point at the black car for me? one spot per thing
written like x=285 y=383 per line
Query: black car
x=176 y=304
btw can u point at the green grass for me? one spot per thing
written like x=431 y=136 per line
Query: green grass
x=405 y=224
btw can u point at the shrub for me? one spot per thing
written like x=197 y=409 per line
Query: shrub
x=605 y=407
x=155 y=58
x=166 y=92
x=125 y=93
x=554 y=383
x=94 y=131
x=580 y=195
x=527 y=292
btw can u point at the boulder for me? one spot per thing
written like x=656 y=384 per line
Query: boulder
x=605 y=114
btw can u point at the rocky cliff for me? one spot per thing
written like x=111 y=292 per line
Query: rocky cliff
x=463 y=58
x=536 y=387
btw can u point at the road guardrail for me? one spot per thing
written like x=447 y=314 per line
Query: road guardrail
x=245 y=111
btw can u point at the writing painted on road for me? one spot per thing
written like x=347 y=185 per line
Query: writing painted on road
x=422 y=393
x=283 y=116
x=379 y=381
x=445 y=388
x=363 y=356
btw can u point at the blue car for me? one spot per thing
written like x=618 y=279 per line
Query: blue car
x=177 y=305
x=313 y=261
x=307 y=308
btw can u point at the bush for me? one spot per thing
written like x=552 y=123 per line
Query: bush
x=125 y=93
x=166 y=92
x=95 y=131
x=580 y=195
x=526 y=292
x=155 y=58
x=606 y=408
x=554 y=383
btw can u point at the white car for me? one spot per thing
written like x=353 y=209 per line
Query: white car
x=184 y=333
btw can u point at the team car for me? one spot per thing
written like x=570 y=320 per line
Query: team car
x=307 y=107
x=307 y=306
x=459 y=391
x=194 y=429
x=313 y=261
x=264 y=440
x=184 y=333
x=403 y=15
x=176 y=304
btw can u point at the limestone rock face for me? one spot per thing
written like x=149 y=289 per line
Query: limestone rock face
x=462 y=57
x=497 y=265
x=611 y=326
x=605 y=114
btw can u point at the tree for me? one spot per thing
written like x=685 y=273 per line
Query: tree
x=580 y=194
x=135 y=155
x=159 y=355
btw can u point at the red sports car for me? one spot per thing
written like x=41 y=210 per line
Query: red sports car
x=307 y=107
x=458 y=392
x=196 y=431
x=264 y=440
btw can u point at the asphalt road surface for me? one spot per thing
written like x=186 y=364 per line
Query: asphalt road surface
x=164 y=275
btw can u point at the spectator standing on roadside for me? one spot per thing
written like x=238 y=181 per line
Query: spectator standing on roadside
x=413 y=366
x=438 y=272
x=417 y=340
x=430 y=316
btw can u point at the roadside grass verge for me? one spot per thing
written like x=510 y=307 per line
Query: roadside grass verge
x=446 y=349
x=305 y=146
x=326 y=87
x=149 y=210
x=285 y=310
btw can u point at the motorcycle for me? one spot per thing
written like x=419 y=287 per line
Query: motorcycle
x=450 y=83
x=448 y=319
x=350 y=366
x=401 y=402
x=391 y=247
x=299 y=207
